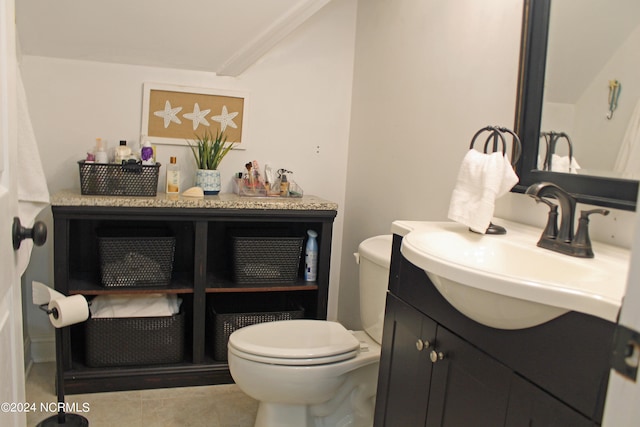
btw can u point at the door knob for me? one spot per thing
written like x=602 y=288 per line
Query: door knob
x=38 y=233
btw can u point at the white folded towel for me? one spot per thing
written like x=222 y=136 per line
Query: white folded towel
x=481 y=180
x=562 y=164
x=132 y=305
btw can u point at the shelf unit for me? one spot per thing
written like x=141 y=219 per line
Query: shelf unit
x=201 y=277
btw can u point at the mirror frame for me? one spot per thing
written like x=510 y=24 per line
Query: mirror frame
x=615 y=193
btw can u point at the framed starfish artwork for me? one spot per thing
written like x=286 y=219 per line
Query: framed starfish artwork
x=174 y=114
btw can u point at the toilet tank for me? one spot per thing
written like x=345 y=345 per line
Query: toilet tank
x=374 y=258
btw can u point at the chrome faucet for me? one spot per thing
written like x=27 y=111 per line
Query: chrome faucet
x=562 y=239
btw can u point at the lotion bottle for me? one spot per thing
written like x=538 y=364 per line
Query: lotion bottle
x=173 y=177
x=146 y=154
x=311 y=257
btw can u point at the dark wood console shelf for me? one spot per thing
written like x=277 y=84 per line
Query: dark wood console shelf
x=201 y=274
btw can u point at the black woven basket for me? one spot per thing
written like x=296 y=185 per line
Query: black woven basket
x=112 y=179
x=223 y=322
x=140 y=257
x=134 y=341
x=266 y=260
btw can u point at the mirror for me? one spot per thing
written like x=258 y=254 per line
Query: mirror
x=540 y=100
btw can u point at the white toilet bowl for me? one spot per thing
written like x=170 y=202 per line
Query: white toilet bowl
x=316 y=373
x=306 y=373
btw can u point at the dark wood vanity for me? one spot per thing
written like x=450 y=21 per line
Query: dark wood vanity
x=439 y=368
x=202 y=274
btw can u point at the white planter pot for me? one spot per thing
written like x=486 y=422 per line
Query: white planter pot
x=208 y=180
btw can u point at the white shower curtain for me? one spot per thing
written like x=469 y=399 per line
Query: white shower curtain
x=33 y=194
x=628 y=161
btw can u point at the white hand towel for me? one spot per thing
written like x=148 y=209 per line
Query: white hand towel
x=33 y=194
x=561 y=164
x=481 y=180
x=132 y=305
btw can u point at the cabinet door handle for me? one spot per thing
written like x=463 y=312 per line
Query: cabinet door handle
x=436 y=355
x=421 y=345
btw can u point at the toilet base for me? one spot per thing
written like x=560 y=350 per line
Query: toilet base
x=281 y=415
x=351 y=406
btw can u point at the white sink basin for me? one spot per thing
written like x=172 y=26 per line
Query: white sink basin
x=506 y=281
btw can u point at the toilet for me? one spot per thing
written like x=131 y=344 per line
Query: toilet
x=316 y=373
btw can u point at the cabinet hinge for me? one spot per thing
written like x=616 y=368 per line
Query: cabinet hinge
x=626 y=352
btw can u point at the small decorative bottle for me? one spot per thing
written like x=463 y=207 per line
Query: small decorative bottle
x=101 y=153
x=122 y=152
x=173 y=177
x=311 y=257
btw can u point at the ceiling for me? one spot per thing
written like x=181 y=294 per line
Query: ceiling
x=221 y=36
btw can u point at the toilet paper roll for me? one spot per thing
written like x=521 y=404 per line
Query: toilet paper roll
x=68 y=311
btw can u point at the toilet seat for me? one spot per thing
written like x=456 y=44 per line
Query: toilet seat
x=295 y=342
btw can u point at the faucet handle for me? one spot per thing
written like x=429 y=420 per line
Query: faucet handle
x=585 y=214
x=551 y=229
x=582 y=239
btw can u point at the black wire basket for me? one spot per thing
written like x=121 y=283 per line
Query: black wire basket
x=134 y=340
x=224 y=320
x=136 y=257
x=266 y=260
x=112 y=179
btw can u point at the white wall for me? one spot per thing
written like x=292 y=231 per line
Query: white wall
x=428 y=75
x=596 y=139
x=300 y=107
x=599 y=138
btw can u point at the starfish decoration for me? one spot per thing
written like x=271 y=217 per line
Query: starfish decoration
x=168 y=114
x=225 y=119
x=197 y=116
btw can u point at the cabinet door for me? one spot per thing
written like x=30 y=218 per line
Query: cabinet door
x=468 y=388
x=531 y=407
x=408 y=369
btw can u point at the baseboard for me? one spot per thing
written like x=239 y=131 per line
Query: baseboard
x=43 y=349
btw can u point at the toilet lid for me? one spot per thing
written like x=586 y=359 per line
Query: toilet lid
x=296 y=339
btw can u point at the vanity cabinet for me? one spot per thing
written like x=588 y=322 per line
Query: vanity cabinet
x=202 y=274
x=440 y=369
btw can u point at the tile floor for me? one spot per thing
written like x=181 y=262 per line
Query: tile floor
x=210 y=406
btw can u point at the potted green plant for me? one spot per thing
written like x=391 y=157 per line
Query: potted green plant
x=208 y=152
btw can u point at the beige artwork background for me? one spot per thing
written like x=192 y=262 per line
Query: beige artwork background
x=184 y=131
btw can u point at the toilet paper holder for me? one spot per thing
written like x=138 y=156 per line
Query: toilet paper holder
x=62 y=417
x=45 y=307
x=54 y=311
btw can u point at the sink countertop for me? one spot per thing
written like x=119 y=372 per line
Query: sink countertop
x=606 y=298
x=220 y=201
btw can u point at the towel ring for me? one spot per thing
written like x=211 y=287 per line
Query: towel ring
x=495 y=138
x=551 y=139
x=495 y=133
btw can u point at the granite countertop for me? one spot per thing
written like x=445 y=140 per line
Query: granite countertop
x=221 y=201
